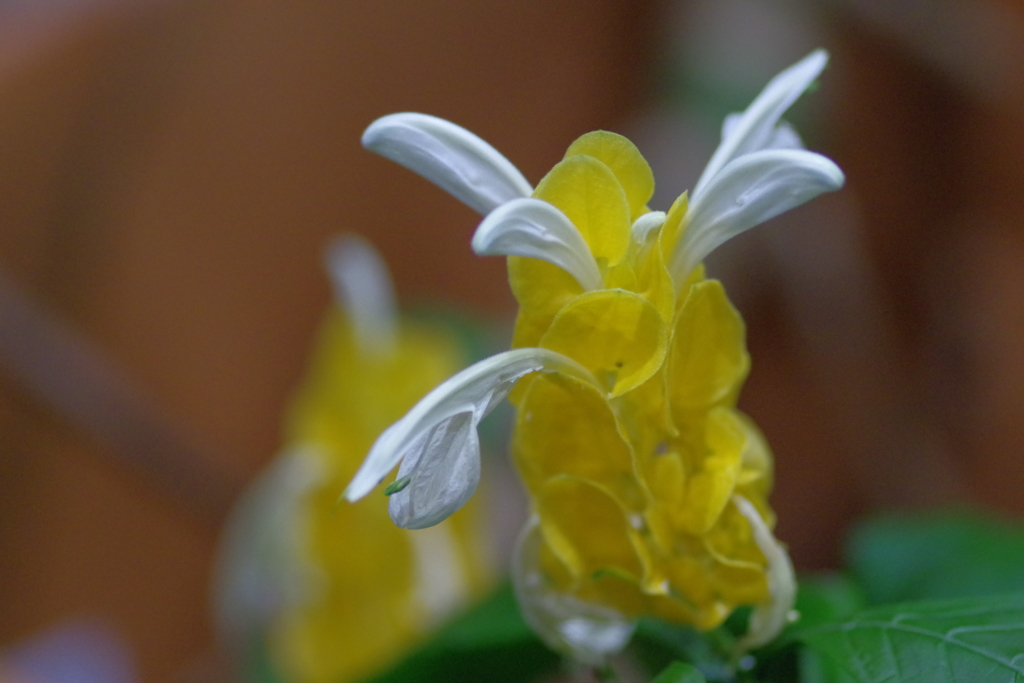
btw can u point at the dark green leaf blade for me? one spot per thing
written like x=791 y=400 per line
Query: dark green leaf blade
x=951 y=554
x=680 y=672
x=975 y=640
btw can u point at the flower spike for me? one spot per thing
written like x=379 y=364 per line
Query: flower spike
x=449 y=156
x=531 y=227
x=437 y=443
x=625 y=475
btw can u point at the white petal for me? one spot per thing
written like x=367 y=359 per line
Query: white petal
x=449 y=156
x=443 y=473
x=362 y=288
x=747 y=192
x=586 y=632
x=768 y=619
x=756 y=126
x=535 y=228
x=438 y=435
x=643 y=226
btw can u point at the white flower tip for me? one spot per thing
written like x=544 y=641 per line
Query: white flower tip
x=758 y=128
x=835 y=175
x=645 y=225
x=449 y=156
x=814 y=62
x=536 y=229
x=798 y=77
x=362 y=288
x=361 y=485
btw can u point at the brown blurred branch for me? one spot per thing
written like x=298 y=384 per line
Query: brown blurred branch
x=70 y=376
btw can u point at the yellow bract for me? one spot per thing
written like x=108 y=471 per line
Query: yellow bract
x=588 y=192
x=617 y=335
x=365 y=605
x=625 y=161
x=634 y=484
x=709 y=357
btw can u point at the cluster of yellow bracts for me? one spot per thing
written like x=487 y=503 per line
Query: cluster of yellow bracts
x=634 y=486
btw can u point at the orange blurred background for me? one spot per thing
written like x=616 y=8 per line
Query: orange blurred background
x=170 y=170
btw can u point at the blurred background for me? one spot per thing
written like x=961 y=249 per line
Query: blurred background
x=171 y=169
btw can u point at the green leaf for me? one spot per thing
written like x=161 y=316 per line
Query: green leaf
x=826 y=597
x=945 y=555
x=975 y=640
x=680 y=672
x=491 y=642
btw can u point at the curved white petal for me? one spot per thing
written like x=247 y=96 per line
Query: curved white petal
x=437 y=438
x=586 y=632
x=535 y=228
x=362 y=288
x=449 y=156
x=768 y=619
x=642 y=227
x=443 y=469
x=756 y=126
x=747 y=192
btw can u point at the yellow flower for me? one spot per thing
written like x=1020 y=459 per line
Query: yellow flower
x=648 y=487
x=342 y=591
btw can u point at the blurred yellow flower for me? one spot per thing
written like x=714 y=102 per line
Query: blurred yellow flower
x=350 y=591
x=648 y=487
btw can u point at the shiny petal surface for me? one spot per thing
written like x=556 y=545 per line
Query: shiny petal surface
x=617 y=335
x=536 y=229
x=449 y=156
